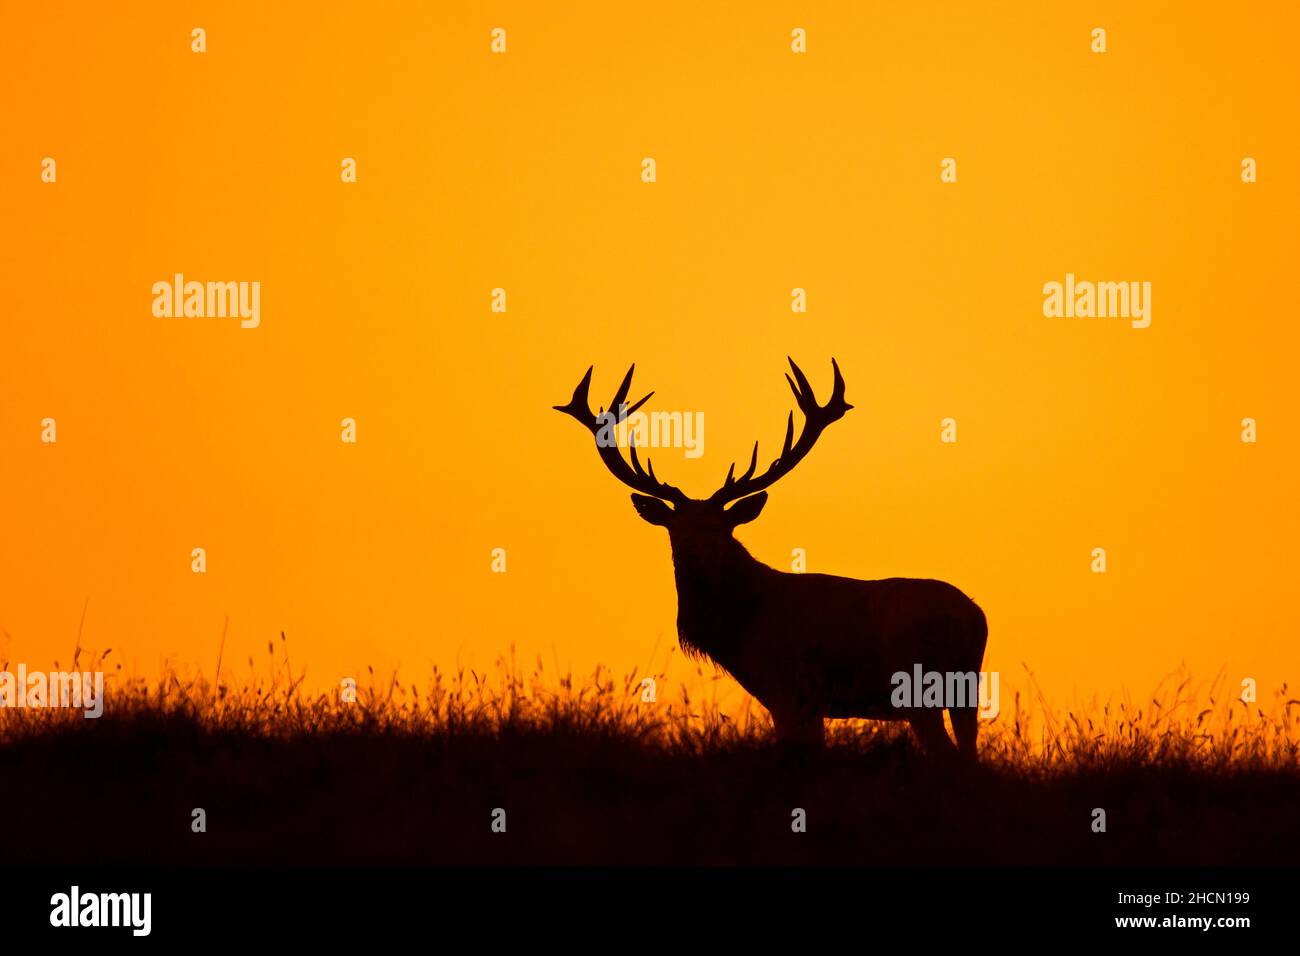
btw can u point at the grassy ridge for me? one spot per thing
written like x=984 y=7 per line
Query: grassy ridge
x=589 y=773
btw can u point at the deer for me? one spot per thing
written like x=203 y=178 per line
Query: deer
x=807 y=646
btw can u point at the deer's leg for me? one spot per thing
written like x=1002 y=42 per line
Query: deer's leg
x=800 y=731
x=966 y=725
x=927 y=724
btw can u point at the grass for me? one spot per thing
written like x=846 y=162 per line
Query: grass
x=589 y=773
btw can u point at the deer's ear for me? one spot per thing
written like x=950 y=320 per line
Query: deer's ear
x=652 y=510
x=746 y=509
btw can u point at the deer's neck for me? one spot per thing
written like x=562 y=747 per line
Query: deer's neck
x=717 y=598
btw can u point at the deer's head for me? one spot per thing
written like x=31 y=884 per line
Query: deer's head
x=701 y=525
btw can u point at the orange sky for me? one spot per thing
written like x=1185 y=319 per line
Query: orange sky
x=523 y=171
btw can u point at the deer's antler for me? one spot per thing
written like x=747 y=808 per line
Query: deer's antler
x=816 y=418
x=634 y=476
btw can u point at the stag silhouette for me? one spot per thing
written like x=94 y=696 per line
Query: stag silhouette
x=806 y=646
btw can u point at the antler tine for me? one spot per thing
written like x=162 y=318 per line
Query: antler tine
x=837 y=387
x=620 y=397
x=789 y=437
x=636 y=462
x=579 y=407
x=731 y=478
x=650 y=467
x=636 y=406
x=804 y=393
x=618 y=405
x=816 y=419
